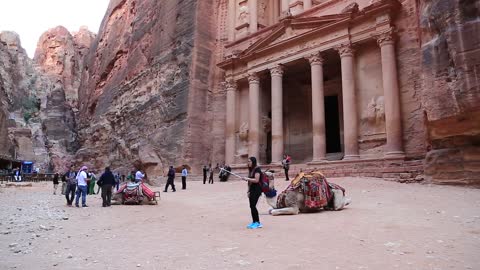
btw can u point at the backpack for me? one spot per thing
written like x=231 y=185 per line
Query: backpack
x=265 y=186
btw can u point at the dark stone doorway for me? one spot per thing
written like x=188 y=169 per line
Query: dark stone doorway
x=332 y=124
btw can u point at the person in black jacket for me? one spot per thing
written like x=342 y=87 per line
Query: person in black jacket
x=205 y=171
x=254 y=191
x=55 y=183
x=170 y=179
x=106 y=181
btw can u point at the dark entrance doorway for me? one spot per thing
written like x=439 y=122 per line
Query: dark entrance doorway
x=332 y=124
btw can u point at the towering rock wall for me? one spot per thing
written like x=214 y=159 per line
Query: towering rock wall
x=5 y=145
x=19 y=83
x=59 y=57
x=37 y=99
x=450 y=43
x=145 y=90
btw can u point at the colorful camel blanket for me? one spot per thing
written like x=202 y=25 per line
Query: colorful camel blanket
x=130 y=189
x=315 y=188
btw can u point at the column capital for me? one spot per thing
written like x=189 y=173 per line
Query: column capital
x=253 y=78
x=345 y=49
x=277 y=70
x=230 y=85
x=386 y=37
x=315 y=59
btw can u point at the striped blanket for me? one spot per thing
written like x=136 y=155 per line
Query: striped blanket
x=315 y=188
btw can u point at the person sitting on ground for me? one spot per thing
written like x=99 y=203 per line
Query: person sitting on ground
x=17 y=175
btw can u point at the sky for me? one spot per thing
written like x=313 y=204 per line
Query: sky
x=31 y=18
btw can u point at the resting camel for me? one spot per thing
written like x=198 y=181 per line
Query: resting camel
x=293 y=199
x=132 y=193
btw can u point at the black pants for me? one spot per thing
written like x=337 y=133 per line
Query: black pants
x=210 y=179
x=184 y=182
x=204 y=177
x=286 y=174
x=170 y=182
x=70 y=193
x=253 y=199
x=107 y=195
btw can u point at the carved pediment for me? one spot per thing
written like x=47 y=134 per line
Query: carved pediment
x=293 y=28
x=310 y=24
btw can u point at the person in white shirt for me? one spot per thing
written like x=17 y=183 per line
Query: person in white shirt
x=139 y=176
x=82 y=187
x=184 y=177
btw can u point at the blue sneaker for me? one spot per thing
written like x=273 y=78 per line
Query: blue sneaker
x=258 y=225
x=249 y=226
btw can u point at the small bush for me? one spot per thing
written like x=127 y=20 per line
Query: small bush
x=30 y=105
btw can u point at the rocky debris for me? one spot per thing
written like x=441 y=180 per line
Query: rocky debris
x=20 y=220
x=20 y=184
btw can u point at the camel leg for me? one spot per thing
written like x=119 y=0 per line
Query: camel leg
x=272 y=201
x=284 y=211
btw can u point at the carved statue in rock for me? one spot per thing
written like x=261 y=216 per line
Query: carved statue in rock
x=373 y=117
x=243 y=14
x=242 y=140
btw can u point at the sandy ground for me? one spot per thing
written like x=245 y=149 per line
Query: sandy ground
x=388 y=226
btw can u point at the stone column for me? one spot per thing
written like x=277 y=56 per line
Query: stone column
x=350 y=118
x=253 y=23
x=231 y=87
x=277 y=114
x=318 y=108
x=285 y=4
x=307 y=4
x=254 y=115
x=231 y=20
x=393 y=116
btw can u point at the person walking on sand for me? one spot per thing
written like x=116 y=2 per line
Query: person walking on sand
x=107 y=182
x=254 y=191
x=205 y=171
x=184 y=177
x=64 y=184
x=81 y=187
x=71 y=185
x=210 y=170
x=170 y=179
x=55 y=183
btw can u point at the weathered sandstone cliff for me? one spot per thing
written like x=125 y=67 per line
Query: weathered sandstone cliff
x=18 y=88
x=146 y=90
x=451 y=89
x=60 y=55
x=35 y=109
